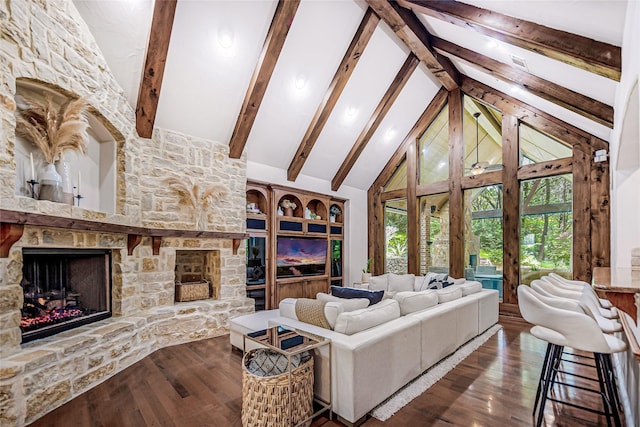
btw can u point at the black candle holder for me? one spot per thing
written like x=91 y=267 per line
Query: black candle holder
x=32 y=187
x=78 y=198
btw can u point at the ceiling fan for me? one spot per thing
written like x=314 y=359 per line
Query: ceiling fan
x=481 y=167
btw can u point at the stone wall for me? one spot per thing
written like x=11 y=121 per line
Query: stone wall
x=47 y=42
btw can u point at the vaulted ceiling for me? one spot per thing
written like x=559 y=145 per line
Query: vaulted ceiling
x=330 y=89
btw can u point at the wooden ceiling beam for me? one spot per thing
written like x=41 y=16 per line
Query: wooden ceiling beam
x=151 y=83
x=536 y=118
x=340 y=79
x=430 y=113
x=376 y=118
x=560 y=95
x=597 y=57
x=410 y=30
x=276 y=36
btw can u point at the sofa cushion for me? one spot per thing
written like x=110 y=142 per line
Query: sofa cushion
x=352 y=322
x=348 y=304
x=415 y=301
x=449 y=293
x=401 y=282
x=374 y=297
x=379 y=283
x=332 y=310
x=470 y=287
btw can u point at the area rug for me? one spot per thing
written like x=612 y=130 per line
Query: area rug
x=418 y=386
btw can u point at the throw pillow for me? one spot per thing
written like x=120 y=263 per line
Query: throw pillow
x=401 y=282
x=350 y=304
x=374 y=297
x=441 y=279
x=311 y=311
x=379 y=283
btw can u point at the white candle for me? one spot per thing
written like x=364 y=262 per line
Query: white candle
x=78 y=183
x=33 y=170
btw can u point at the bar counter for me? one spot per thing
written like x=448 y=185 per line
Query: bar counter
x=618 y=285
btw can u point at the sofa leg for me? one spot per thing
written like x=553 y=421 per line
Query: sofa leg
x=349 y=423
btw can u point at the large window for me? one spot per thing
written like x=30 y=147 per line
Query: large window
x=483 y=236
x=546 y=227
x=395 y=226
x=482 y=138
x=536 y=147
x=434 y=150
x=434 y=234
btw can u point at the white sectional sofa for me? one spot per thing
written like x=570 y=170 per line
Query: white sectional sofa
x=375 y=351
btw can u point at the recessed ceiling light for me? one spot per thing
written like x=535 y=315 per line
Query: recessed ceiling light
x=225 y=38
x=300 y=81
x=389 y=134
x=352 y=111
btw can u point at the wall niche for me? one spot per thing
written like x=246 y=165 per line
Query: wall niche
x=95 y=174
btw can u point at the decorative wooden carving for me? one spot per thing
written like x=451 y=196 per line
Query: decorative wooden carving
x=156 y=242
x=133 y=240
x=9 y=234
x=235 y=245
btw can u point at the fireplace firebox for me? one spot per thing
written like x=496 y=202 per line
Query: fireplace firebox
x=63 y=289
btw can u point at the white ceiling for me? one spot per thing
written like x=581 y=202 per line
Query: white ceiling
x=204 y=84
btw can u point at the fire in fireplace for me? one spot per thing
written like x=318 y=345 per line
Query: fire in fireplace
x=63 y=289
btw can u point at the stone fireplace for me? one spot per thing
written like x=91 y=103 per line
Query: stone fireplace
x=138 y=239
x=63 y=289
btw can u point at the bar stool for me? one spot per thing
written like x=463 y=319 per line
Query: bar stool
x=566 y=328
x=550 y=289
x=579 y=284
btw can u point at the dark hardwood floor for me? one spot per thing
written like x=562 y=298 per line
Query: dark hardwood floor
x=199 y=384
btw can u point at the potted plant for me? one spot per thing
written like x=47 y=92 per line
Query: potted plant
x=288 y=206
x=334 y=211
x=366 y=271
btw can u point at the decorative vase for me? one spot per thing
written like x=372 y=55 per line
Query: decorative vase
x=51 y=184
x=288 y=212
x=63 y=168
x=332 y=218
x=365 y=277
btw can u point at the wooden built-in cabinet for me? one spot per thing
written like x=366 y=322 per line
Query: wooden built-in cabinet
x=310 y=224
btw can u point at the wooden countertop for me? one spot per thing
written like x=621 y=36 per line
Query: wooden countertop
x=616 y=279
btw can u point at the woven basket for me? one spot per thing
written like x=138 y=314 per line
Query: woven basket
x=265 y=400
x=192 y=291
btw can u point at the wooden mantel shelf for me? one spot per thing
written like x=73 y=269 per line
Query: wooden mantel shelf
x=14 y=221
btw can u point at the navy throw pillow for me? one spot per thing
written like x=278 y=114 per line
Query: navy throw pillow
x=374 y=297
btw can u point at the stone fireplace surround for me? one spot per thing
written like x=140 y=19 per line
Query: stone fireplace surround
x=48 y=42
x=37 y=377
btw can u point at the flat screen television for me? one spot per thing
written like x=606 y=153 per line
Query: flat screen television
x=300 y=256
